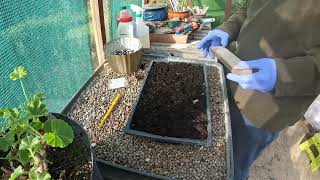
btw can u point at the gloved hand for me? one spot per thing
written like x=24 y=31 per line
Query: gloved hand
x=264 y=80
x=216 y=37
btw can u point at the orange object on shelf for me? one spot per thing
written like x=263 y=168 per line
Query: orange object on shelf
x=177 y=14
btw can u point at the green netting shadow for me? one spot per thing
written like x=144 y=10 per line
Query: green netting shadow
x=115 y=8
x=50 y=38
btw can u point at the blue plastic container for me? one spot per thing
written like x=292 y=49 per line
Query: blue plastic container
x=159 y=14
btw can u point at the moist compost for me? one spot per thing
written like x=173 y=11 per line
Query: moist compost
x=173 y=102
x=123 y=52
x=72 y=162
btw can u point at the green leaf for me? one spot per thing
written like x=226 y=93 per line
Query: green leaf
x=37 y=124
x=30 y=143
x=9 y=113
x=19 y=72
x=4 y=146
x=37 y=108
x=39 y=176
x=24 y=120
x=7 y=141
x=16 y=173
x=2 y=112
x=38 y=96
x=58 y=133
x=10 y=137
x=24 y=156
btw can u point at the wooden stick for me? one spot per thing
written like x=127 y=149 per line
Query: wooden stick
x=113 y=104
x=231 y=61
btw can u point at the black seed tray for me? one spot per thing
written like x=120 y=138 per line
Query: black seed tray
x=207 y=142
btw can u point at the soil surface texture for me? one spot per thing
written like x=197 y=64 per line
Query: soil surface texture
x=72 y=162
x=173 y=102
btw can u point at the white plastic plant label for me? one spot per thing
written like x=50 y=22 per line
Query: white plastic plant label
x=117 y=83
x=313 y=114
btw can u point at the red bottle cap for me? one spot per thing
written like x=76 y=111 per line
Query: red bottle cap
x=125 y=16
x=125 y=19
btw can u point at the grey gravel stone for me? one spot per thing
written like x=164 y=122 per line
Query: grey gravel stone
x=172 y=160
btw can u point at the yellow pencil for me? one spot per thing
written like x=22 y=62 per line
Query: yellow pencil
x=113 y=104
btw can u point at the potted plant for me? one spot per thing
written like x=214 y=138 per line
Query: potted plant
x=37 y=145
x=179 y=9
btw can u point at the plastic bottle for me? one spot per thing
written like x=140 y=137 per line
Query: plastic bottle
x=141 y=29
x=125 y=26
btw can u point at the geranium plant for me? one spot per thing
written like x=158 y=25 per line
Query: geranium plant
x=24 y=138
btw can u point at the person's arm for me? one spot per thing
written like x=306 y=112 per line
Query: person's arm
x=298 y=76
x=233 y=25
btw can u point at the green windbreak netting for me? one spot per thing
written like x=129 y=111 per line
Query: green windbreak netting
x=52 y=39
x=115 y=8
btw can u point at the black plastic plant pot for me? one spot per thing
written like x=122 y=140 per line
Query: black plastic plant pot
x=204 y=101
x=84 y=140
x=80 y=142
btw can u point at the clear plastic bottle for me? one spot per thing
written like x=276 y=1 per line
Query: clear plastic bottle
x=125 y=26
x=142 y=31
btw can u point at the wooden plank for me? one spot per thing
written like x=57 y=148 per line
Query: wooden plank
x=169 y=38
x=174 y=53
x=144 y=2
x=231 y=61
x=96 y=31
x=228 y=10
x=196 y=37
x=107 y=19
x=201 y=32
x=183 y=48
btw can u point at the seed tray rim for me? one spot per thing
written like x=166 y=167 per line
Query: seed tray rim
x=206 y=142
x=131 y=170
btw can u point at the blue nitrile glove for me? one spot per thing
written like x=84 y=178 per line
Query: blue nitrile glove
x=216 y=37
x=263 y=80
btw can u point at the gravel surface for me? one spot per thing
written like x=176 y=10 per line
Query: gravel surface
x=173 y=160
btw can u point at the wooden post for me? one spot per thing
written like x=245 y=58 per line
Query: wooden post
x=144 y=2
x=107 y=19
x=98 y=53
x=227 y=10
x=190 y=4
x=102 y=22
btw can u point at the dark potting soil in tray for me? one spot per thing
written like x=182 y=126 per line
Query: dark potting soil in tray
x=173 y=102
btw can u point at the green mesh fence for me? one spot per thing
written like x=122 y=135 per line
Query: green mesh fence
x=115 y=9
x=52 y=39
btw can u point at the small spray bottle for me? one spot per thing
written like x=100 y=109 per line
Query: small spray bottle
x=141 y=29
